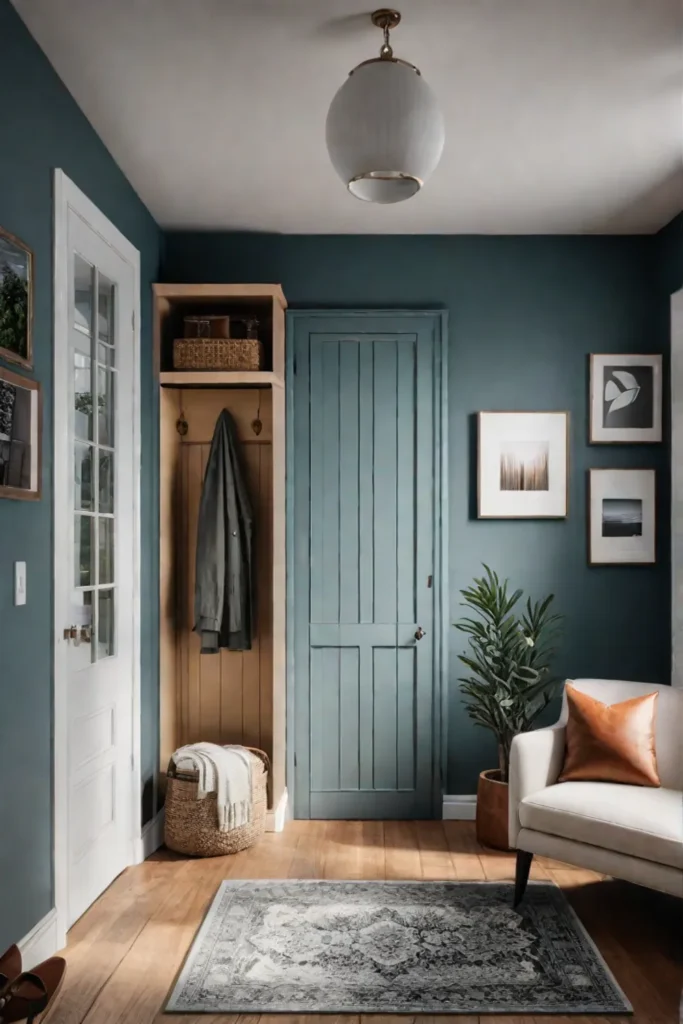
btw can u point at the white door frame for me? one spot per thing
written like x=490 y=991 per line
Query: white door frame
x=68 y=197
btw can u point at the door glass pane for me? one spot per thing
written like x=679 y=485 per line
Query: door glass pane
x=105 y=354
x=82 y=397
x=83 y=294
x=105 y=406
x=81 y=341
x=81 y=652
x=83 y=550
x=106 y=481
x=105 y=625
x=105 y=320
x=83 y=494
x=106 y=541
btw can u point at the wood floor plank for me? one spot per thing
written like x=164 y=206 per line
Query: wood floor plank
x=373 y=854
x=309 y=855
x=498 y=866
x=343 y=849
x=101 y=939
x=140 y=985
x=461 y=1018
x=435 y=855
x=401 y=850
x=464 y=850
x=124 y=953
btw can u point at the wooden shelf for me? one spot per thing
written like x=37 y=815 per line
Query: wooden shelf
x=220 y=379
x=246 y=293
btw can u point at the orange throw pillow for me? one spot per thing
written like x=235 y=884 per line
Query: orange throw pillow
x=610 y=742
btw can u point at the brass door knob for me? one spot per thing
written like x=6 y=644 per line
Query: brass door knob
x=419 y=633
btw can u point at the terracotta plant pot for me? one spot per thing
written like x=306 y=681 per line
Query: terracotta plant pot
x=492 y=810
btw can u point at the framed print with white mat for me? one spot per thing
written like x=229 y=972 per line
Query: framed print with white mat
x=621 y=516
x=523 y=463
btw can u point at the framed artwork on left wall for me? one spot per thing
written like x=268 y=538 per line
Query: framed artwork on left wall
x=16 y=301
x=20 y=436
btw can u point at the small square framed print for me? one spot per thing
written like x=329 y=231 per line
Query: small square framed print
x=625 y=399
x=621 y=504
x=523 y=465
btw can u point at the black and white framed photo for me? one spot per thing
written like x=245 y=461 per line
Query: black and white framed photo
x=625 y=399
x=621 y=516
x=16 y=300
x=523 y=465
x=20 y=436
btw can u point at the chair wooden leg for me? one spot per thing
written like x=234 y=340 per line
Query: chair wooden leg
x=522 y=868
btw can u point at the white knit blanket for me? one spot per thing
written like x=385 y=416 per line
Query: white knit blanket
x=225 y=771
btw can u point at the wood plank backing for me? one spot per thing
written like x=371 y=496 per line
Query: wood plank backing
x=226 y=698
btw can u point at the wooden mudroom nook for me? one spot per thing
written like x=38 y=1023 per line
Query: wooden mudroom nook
x=235 y=696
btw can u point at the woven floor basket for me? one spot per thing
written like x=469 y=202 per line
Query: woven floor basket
x=191 y=825
x=217 y=354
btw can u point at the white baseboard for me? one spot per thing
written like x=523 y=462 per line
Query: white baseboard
x=462 y=807
x=151 y=839
x=41 y=942
x=275 y=819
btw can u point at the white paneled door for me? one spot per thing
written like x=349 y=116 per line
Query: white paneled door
x=95 y=592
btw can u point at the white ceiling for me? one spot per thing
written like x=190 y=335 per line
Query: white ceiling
x=562 y=116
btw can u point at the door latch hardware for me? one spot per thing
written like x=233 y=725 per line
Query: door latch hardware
x=420 y=632
x=429 y=582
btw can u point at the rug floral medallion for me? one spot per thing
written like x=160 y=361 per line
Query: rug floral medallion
x=393 y=947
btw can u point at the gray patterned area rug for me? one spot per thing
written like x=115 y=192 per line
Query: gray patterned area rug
x=393 y=947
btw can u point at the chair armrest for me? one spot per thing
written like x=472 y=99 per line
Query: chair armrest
x=535 y=763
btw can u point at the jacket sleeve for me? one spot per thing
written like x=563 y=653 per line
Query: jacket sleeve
x=209 y=595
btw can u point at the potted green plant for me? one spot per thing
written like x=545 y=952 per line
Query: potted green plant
x=510 y=648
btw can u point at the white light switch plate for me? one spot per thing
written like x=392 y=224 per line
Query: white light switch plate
x=20 y=583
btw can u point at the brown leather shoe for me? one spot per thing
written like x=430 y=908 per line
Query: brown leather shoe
x=10 y=965
x=32 y=992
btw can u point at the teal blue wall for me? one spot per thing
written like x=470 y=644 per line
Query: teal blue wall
x=524 y=313
x=670 y=255
x=42 y=128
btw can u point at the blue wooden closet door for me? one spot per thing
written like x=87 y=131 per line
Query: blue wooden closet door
x=364 y=559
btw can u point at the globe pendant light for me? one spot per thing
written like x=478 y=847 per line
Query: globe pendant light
x=385 y=132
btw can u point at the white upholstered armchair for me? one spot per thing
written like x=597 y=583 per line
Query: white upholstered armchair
x=629 y=832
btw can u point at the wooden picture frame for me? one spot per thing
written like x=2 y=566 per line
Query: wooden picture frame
x=523 y=465
x=626 y=399
x=622 y=517
x=21 y=431
x=16 y=328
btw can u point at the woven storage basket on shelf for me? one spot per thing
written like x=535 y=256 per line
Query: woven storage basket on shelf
x=217 y=354
x=191 y=825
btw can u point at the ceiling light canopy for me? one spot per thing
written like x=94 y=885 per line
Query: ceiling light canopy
x=385 y=131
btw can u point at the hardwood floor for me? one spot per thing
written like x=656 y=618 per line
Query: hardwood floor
x=125 y=951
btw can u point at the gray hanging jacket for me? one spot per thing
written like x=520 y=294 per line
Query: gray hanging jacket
x=223 y=579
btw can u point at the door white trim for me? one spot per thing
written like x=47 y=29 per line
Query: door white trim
x=67 y=196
